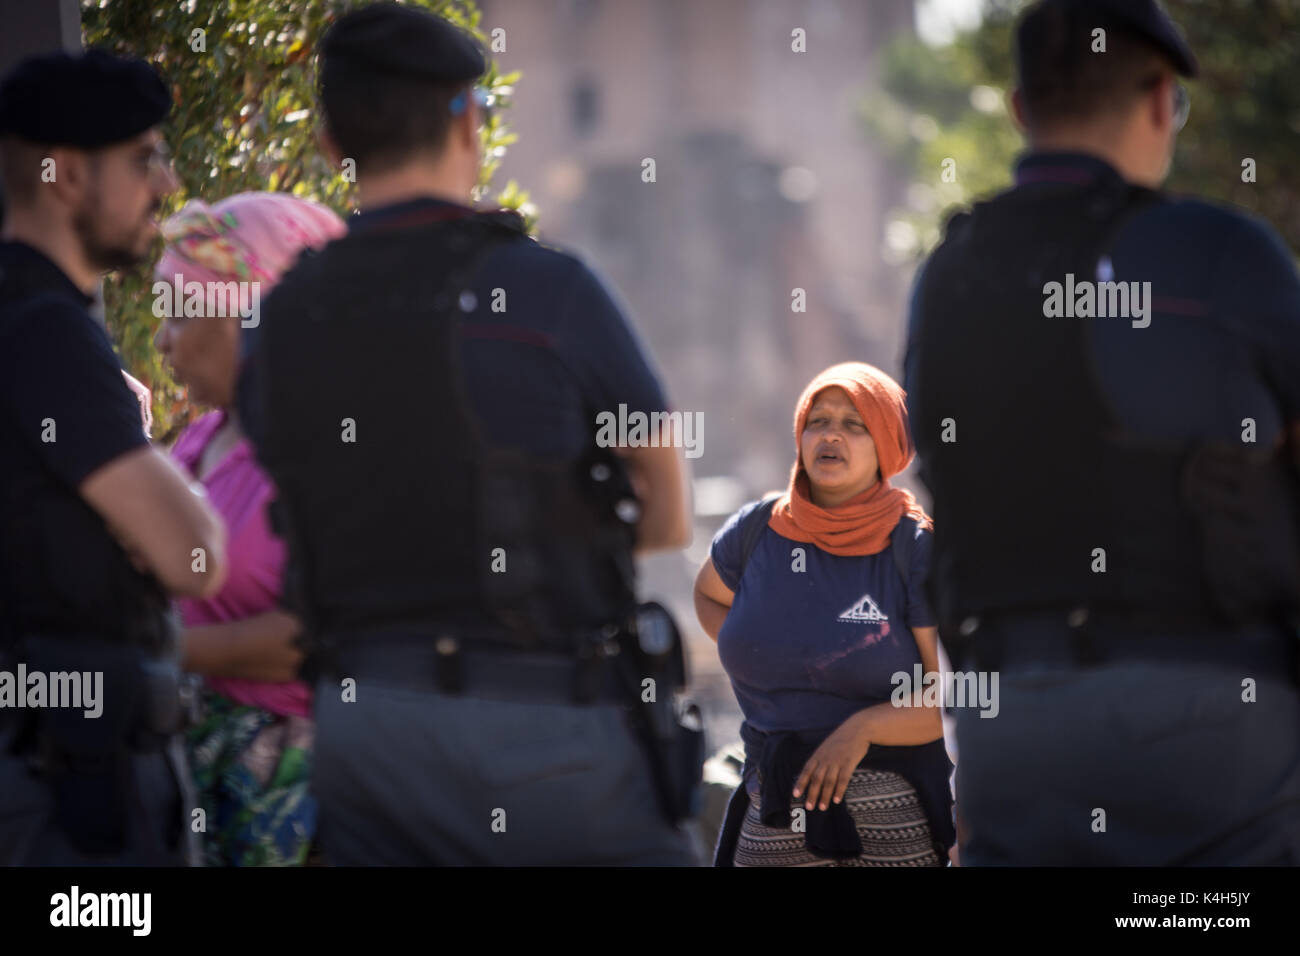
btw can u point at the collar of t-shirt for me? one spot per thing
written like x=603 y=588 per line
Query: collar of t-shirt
x=408 y=212
x=37 y=272
x=1062 y=168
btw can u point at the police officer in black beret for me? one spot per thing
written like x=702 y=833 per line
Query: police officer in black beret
x=424 y=391
x=1105 y=391
x=96 y=527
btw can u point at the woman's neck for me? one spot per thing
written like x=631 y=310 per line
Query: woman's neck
x=831 y=498
x=219 y=444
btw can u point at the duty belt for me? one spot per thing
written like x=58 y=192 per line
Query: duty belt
x=1081 y=637
x=446 y=664
x=148 y=697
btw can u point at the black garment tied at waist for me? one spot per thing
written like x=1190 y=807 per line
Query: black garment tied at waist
x=832 y=833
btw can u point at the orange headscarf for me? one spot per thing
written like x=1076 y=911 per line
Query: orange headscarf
x=863 y=524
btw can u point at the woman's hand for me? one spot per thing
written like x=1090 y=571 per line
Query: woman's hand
x=826 y=774
x=262 y=647
x=276 y=654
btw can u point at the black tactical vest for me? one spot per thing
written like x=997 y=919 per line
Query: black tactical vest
x=1035 y=483
x=418 y=523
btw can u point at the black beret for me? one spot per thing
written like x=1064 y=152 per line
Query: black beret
x=94 y=99
x=404 y=41
x=1148 y=18
x=1145 y=18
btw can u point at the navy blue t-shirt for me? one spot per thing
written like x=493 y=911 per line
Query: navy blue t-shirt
x=807 y=649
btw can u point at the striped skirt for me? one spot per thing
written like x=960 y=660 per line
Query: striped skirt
x=885 y=809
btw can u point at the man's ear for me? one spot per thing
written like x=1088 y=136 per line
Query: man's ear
x=1160 y=103
x=465 y=127
x=328 y=146
x=71 y=175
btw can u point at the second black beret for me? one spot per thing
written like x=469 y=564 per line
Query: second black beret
x=94 y=99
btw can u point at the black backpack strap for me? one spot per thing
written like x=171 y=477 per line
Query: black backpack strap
x=902 y=542
x=1107 y=207
x=751 y=529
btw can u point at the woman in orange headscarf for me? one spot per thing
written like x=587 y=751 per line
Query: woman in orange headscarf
x=816 y=601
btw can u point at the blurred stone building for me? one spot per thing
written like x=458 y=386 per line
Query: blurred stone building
x=765 y=183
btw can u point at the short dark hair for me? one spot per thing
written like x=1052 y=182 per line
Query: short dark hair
x=20 y=170
x=1062 y=80
x=382 y=120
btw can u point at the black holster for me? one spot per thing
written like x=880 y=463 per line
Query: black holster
x=652 y=663
x=87 y=760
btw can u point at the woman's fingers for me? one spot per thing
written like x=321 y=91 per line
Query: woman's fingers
x=842 y=785
x=830 y=783
x=815 y=785
x=824 y=782
x=804 y=775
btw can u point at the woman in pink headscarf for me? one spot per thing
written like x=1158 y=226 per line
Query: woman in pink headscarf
x=250 y=753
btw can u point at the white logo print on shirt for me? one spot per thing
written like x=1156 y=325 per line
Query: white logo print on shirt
x=864 y=609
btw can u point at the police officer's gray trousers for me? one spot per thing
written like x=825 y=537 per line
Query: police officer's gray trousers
x=415 y=777
x=162 y=805
x=1150 y=764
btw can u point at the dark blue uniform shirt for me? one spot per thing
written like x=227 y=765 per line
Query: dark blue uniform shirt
x=65 y=411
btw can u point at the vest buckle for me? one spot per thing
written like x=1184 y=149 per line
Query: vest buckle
x=448 y=667
x=1083 y=644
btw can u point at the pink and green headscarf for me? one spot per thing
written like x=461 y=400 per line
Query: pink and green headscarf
x=250 y=237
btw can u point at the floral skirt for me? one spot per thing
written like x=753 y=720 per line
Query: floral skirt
x=889 y=820
x=252 y=769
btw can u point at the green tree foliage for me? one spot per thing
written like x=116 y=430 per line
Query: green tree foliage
x=952 y=103
x=244 y=119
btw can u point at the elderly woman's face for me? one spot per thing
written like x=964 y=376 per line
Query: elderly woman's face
x=202 y=353
x=837 y=451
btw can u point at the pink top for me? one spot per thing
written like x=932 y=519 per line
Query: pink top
x=239 y=491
